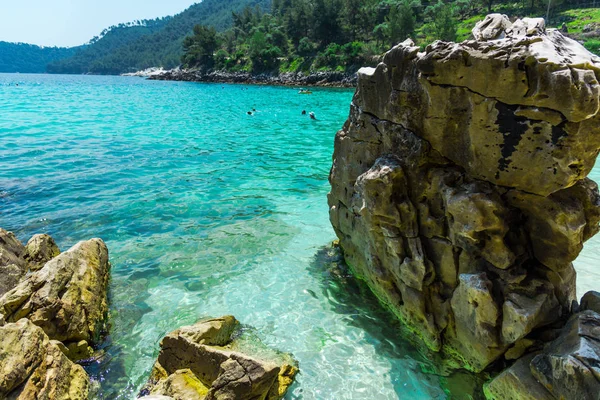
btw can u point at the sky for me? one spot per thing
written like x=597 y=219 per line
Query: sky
x=75 y=22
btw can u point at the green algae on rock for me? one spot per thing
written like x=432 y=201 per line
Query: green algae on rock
x=213 y=360
x=459 y=190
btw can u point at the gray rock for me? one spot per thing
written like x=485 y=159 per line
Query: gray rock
x=569 y=367
x=590 y=301
x=493 y=27
x=462 y=200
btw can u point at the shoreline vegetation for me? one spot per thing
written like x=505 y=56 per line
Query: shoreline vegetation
x=294 y=46
x=292 y=36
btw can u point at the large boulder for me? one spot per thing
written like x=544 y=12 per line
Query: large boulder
x=67 y=297
x=459 y=189
x=202 y=361
x=32 y=367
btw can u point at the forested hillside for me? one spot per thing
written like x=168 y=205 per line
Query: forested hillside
x=316 y=35
x=89 y=58
x=28 y=58
x=154 y=44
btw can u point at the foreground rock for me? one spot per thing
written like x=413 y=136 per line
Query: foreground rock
x=459 y=189
x=32 y=367
x=67 y=297
x=202 y=361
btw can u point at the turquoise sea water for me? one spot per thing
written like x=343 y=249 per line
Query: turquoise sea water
x=206 y=211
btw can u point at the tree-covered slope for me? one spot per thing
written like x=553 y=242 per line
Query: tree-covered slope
x=126 y=50
x=28 y=58
x=89 y=58
x=343 y=35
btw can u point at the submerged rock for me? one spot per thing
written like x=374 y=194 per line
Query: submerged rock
x=459 y=189
x=204 y=361
x=67 y=297
x=32 y=367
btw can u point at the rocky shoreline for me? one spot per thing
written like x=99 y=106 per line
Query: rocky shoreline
x=460 y=200
x=323 y=79
x=54 y=315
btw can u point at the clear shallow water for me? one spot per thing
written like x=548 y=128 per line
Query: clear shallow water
x=206 y=211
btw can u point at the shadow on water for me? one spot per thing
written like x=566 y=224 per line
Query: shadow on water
x=350 y=296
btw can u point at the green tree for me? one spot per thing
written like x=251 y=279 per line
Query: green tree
x=400 y=23
x=199 y=48
x=326 y=22
x=443 y=21
x=351 y=16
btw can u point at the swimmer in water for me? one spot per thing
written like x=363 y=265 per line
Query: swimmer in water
x=303 y=112
x=249 y=112
x=312 y=115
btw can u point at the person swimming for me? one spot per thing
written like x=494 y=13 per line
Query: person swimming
x=249 y=112
x=312 y=115
x=303 y=112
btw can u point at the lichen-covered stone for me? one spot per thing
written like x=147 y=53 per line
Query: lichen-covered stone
x=40 y=249
x=67 y=298
x=181 y=385
x=31 y=367
x=462 y=200
x=202 y=361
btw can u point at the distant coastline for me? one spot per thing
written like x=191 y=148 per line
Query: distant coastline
x=324 y=79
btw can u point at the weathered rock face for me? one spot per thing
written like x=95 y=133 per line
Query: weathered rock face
x=567 y=368
x=31 y=367
x=459 y=189
x=66 y=297
x=202 y=361
x=12 y=263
